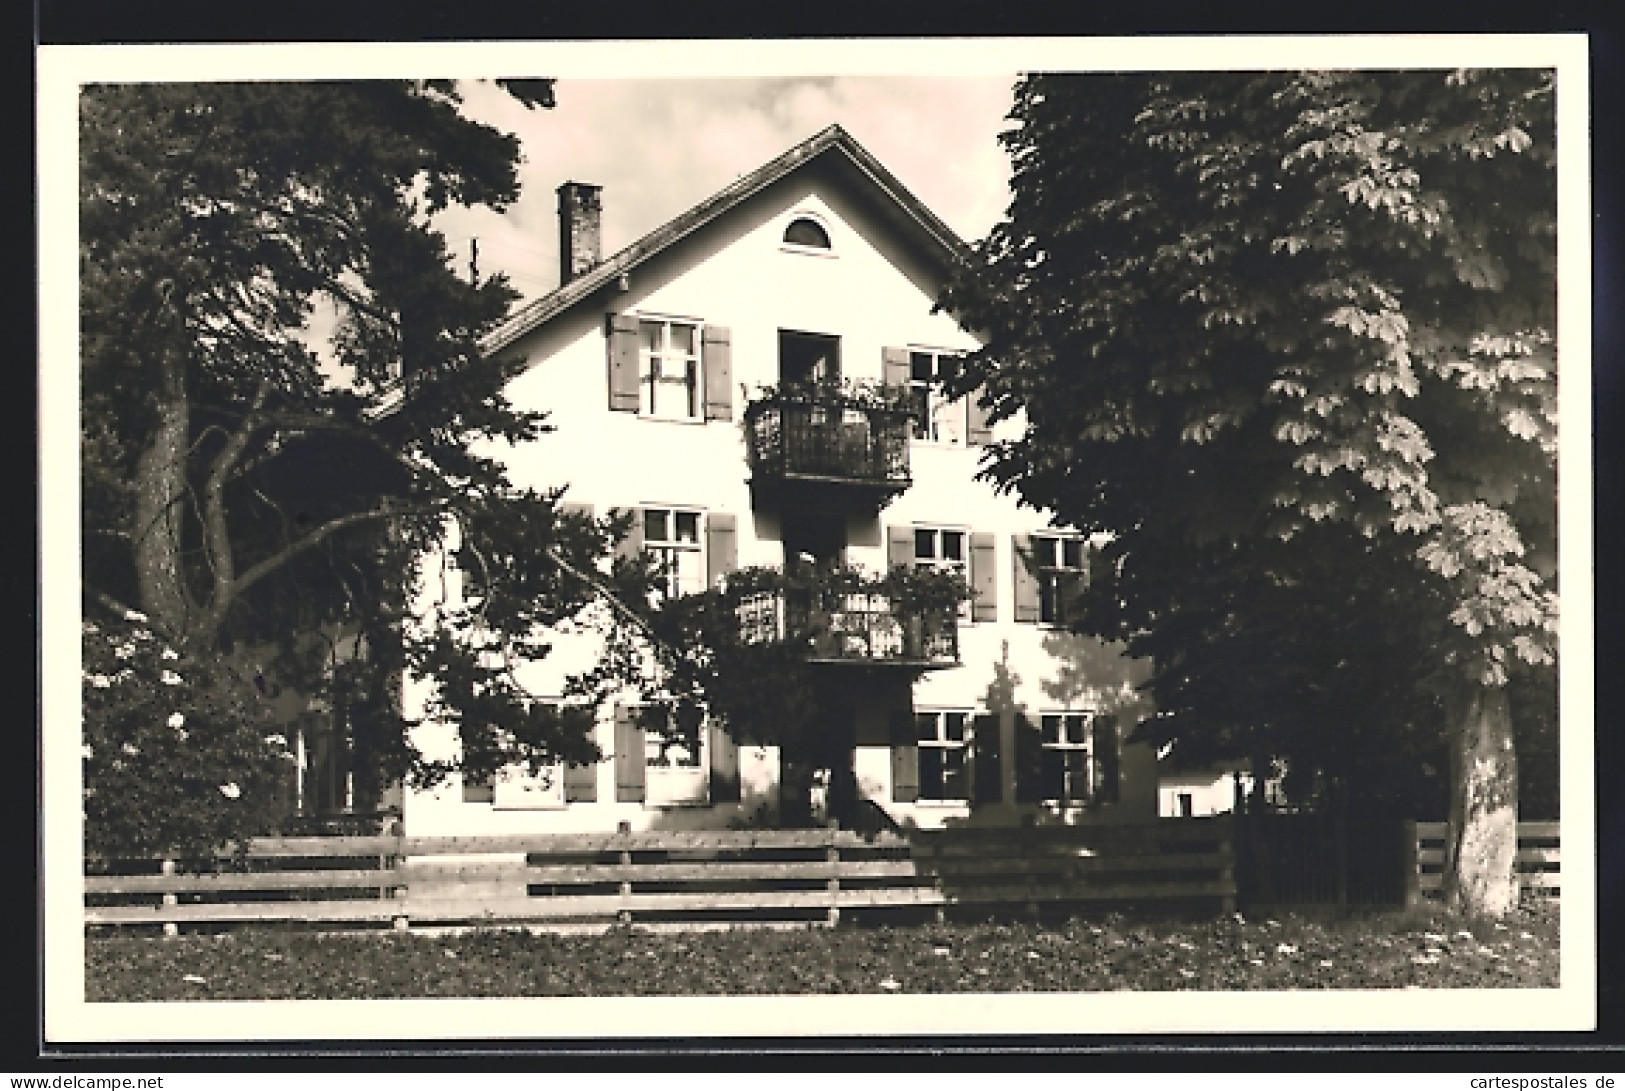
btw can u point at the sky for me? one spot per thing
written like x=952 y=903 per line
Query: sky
x=659 y=146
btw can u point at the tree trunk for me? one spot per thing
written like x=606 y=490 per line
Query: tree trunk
x=160 y=493
x=1479 y=867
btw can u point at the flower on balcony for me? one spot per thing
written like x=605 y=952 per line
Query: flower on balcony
x=842 y=391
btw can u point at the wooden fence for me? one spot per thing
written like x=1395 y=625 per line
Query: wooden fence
x=1539 y=860
x=669 y=879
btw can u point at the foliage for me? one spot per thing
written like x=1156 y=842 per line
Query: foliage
x=711 y=654
x=1287 y=337
x=287 y=416
x=842 y=391
x=176 y=759
x=1430 y=949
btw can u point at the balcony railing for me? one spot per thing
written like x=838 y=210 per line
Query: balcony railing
x=841 y=626
x=827 y=440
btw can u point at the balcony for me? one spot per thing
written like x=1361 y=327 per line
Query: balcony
x=827 y=449
x=837 y=625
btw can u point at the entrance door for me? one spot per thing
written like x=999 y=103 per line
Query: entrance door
x=808 y=358
x=818 y=538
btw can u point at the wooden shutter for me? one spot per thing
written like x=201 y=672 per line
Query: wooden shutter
x=623 y=363
x=899 y=547
x=628 y=757
x=905 y=758
x=984 y=578
x=1025 y=572
x=987 y=778
x=632 y=545
x=721 y=546
x=1108 y=768
x=580 y=783
x=724 y=765
x=1029 y=761
x=478 y=791
x=894 y=366
x=717 y=358
x=978 y=432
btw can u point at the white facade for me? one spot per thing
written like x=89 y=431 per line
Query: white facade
x=873 y=289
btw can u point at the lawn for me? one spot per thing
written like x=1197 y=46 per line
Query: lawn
x=1425 y=948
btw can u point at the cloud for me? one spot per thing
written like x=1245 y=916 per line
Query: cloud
x=659 y=146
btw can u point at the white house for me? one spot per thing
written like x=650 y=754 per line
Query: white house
x=650 y=364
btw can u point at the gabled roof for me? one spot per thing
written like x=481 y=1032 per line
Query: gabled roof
x=834 y=144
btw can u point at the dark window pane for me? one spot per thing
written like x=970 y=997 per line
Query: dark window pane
x=655 y=525
x=953 y=545
x=955 y=726
x=1072 y=550
x=1052 y=775
x=925 y=544
x=1076 y=729
x=805 y=232
x=925 y=726
x=1052 y=729
x=1049 y=602
x=955 y=775
x=919 y=367
x=931 y=773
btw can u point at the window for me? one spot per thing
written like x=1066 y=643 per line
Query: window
x=943 y=755
x=1067 y=774
x=936 y=418
x=674 y=773
x=1060 y=564
x=808 y=358
x=661 y=752
x=669 y=369
x=805 y=231
x=673 y=536
x=945 y=549
x=1187 y=805
x=519 y=787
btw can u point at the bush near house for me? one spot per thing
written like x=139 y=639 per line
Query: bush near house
x=1425 y=948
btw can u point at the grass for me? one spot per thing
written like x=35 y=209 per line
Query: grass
x=1424 y=948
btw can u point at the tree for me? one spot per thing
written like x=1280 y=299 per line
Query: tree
x=287 y=421
x=1288 y=337
x=739 y=656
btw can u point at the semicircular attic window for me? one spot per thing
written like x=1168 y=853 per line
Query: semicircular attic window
x=806 y=232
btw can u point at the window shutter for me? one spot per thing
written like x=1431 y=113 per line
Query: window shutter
x=632 y=545
x=724 y=765
x=894 y=364
x=1026 y=577
x=905 y=758
x=628 y=757
x=984 y=578
x=623 y=363
x=717 y=355
x=978 y=432
x=1108 y=770
x=478 y=791
x=580 y=783
x=899 y=547
x=1029 y=761
x=987 y=782
x=721 y=546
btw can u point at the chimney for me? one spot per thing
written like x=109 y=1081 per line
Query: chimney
x=580 y=237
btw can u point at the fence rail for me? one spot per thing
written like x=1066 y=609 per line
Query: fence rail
x=1538 y=863
x=735 y=877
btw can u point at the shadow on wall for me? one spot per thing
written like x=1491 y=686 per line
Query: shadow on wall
x=1097 y=674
